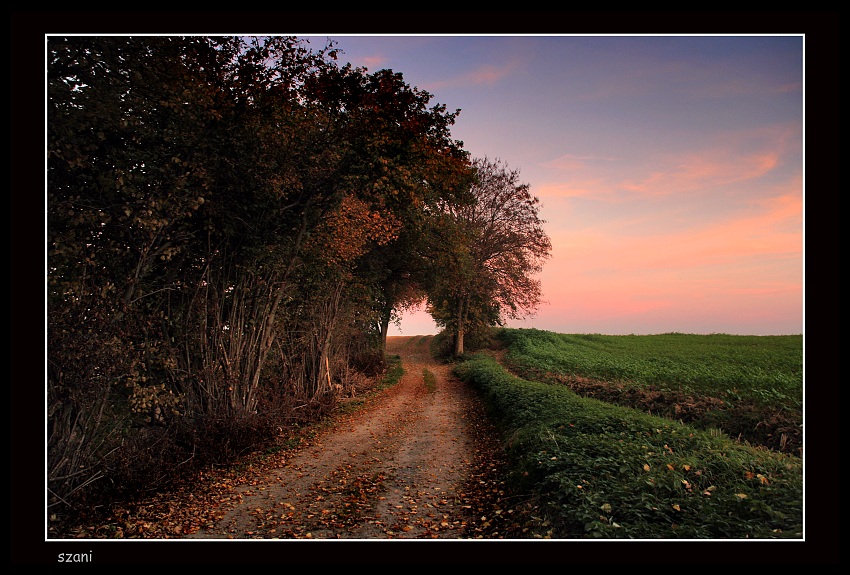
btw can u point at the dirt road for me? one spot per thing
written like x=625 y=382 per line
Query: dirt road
x=403 y=467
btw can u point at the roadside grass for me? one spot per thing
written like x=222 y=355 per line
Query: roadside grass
x=394 y=372
x=598 y=470
x=430 y=380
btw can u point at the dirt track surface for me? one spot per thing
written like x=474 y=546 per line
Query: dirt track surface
x=398 y=468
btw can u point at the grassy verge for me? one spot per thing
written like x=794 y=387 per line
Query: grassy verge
x=430 y=380
x=394 y=372
x=599 y=470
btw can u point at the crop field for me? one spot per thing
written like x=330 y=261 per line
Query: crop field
x=748 y=387
x=767 y=369
x=661 y=436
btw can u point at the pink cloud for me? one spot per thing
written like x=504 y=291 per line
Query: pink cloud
x=774 y=230
x=730 y=159
x=374 y=62
x=706 y=169
x=489 y=74
x=484 y=75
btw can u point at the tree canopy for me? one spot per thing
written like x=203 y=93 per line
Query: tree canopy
x=488 y=260
x=232 y=225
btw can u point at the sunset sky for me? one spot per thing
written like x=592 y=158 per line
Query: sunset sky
x=670 y=169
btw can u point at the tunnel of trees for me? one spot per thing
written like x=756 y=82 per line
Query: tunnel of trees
x=232 y=226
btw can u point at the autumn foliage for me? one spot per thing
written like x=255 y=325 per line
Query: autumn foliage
x=232 y=225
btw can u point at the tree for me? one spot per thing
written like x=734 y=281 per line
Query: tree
x=401 y=159
x=184 y=175
x=230 y=221
x=487 y=253
x=127 y=120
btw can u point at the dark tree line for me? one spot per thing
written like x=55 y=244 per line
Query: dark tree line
x=232 y=226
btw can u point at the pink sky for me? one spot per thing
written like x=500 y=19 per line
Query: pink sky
x=670 y=169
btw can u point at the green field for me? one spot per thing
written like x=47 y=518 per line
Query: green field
x=593 y=469
x=766 y=370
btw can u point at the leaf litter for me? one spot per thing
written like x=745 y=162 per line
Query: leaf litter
x=418 y=460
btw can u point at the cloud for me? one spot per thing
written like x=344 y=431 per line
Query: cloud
x=373 y=62
x=748 y=248
x=719 y=163
x=485 y=75
x=490 y=74
x=683 y=173
x=702 y=171
x=573 y=175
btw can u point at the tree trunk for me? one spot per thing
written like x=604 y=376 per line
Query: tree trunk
x=459 y=341
x=461 y=320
